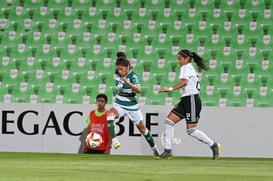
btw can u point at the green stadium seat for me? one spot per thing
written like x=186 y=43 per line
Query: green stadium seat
x=35 y=40
x=154 y=5
x=81 y=5
x=29 y=66
x=150 y=33
x=91 y=15
x=4 y=24
x=12 y=79
x=229 y=27
x=68 y=52
x=86 y=40
x=67 y=15
x=11 y=39
x=105 y=4
x=73 y=94
x=6 y=64
x=6 y=95
x=45 y=52
x=263 y=100
x=42 y=15
x=75 y=28
x=55 y=65
x=178 y=5
x=21 y=94
x=33 y=5
x=20 y=53
x=51 y=27
x=60 y=41
x=209 y=92
x=57 y=4
x=266 y=15
x=17 y=15
x=63 y=79
x=37 y=80
x=48 y=93
x=9 y=4
x=79 y=66
x=238 y=100
x=128 y=4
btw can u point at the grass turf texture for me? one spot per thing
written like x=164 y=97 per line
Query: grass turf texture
x=66 y=167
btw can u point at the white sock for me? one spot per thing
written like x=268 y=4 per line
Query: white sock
x=200 y=135
x=115 y=140
x=169 y=133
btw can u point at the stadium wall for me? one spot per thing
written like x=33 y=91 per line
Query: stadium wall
x=243 y=132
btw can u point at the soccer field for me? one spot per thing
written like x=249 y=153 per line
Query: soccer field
x=66 y=167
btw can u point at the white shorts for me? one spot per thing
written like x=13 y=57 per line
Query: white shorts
x=135 y=115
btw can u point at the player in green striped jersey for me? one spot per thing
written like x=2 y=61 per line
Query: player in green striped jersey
x=128 y=86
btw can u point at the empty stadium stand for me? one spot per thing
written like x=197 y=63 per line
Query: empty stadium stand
x=63 y=51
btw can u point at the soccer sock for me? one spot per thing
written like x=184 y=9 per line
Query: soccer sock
x=111 y=126
x=149 y=138
x=169 y=133
x=200 y=135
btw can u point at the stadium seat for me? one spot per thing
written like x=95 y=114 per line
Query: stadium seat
x=81 y=5
x=33 y=5
x=17 y=15
x=35 y=39
x=38 y=79
x=48 y=93
x=45 y=52
x=105 y=4
x=234 y=36
x=66 y=15
x=42 y=15
x=6 y=64
x=91 y=15
x=263 y=100
x=79 y=66
x=57 y=4
x=68 y=52
x=11 y=39
x=51 y=27
x=129 y=4
x=209 y=90
x=73 y=94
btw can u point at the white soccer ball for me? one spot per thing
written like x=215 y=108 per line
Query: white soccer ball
x=93 y=140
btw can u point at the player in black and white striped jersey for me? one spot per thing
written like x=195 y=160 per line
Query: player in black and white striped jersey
x=189 y=107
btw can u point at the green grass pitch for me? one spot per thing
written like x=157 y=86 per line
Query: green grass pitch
x=76 y=167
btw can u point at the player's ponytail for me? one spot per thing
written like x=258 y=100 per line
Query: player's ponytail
x=200 y=62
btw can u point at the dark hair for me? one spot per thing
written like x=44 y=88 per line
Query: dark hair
x=122 y=59
x=200 y=62
x=102 y=96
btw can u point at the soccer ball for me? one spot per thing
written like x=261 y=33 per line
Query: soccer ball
x=93 y=140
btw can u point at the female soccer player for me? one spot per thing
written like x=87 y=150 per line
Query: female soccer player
x=189 y=107
x=127 y=84
x=98 y=124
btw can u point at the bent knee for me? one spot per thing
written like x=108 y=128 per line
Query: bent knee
x=190 y=131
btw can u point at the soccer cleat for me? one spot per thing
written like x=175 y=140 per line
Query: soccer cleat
x=216 y=147
x=155 y=153
x=167 y=154
x=116 y=143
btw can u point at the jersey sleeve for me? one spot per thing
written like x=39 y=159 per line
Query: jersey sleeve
x=88 y=120
x=134 y=80
x=184 y=73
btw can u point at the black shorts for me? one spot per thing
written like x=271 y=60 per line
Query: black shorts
x=189 y=108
